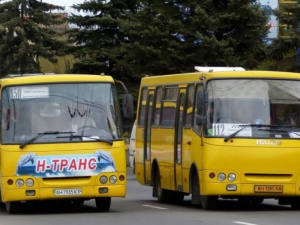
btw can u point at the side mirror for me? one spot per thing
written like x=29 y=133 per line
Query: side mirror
x=200 y=102
x=127 y=106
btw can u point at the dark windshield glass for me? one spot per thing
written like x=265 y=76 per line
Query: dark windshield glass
x=234 y=103
x=88 y=110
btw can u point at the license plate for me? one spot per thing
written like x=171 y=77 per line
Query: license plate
x=62 y=192
x=268 y=188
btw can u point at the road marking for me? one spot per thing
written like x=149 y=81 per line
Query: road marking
x=155 y=207
x=244 y=223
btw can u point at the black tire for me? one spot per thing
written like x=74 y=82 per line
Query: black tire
x=209 y=202
x=162 y=194
x=103 y=204
x=12 y=207
x=195 y=190
x=1 y=203
x=134 y=166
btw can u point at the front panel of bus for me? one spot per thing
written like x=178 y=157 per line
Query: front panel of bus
x=61 y=140
x=251 y=138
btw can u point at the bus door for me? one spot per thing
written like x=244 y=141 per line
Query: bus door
x=178 y=139
x=147 y=137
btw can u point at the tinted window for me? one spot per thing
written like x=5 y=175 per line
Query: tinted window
x=169 y=106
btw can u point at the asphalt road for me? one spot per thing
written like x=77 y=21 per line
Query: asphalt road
x=140 y=208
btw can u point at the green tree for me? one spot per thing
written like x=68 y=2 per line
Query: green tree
x=27 y=35
x=2 y=41
x=284 y=53
x=96 y=34
x=132 y=38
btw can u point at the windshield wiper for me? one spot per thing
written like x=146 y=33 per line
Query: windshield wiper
x=42 y=134
x=288 y=126
x=247 y=125
x=83 y=136
x=281 y=130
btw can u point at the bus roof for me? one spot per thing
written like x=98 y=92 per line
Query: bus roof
x=196 y=76
x=59 y=78
x=217 y=69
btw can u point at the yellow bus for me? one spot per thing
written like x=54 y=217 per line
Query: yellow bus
x=61 y=139
x=220 y=133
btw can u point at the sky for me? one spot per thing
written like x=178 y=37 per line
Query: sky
x=66 y=3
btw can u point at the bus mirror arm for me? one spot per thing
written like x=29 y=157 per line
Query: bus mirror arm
x=127 y=106
x=127 y=102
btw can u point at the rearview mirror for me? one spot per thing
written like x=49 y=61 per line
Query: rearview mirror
x=127 y=106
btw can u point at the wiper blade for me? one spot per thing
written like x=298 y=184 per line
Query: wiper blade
x=275 y=130
x=42 y=134
x=288 y=126
x=244 y=126
x=281 y=131
x=93 y=138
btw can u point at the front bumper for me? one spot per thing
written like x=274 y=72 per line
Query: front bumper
x=87 y=192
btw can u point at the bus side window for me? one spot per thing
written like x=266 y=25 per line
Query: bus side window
x=189 y=107
x=169 y=107
x=142 y=112
x=157 y=110
x=197 y=128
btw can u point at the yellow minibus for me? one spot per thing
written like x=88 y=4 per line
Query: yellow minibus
x=220 y=133
x=61 y=139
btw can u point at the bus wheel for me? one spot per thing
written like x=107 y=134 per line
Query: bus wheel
x=209 y=202
x=195 y=186
x=12 y=207
x=103 y=204
x=133 y=166
x=161 y=194
x=254 y=200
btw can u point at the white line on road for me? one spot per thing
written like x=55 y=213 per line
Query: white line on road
x=155 y=207
x=243 y=223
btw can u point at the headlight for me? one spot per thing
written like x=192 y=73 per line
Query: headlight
x=19 y=183
x=221 y=176
x=113 y=179
x=103 y=179
x=231 y=177
x=29 y=182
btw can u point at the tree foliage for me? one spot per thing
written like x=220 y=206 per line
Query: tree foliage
x=284 y=53
x=25 y=35
x=97 y=34
x=130 y=38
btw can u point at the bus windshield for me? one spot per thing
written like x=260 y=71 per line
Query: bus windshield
x=270 y=108
x=69 y=112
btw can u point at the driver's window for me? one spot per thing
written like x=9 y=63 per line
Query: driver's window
x=197 y=128
x=15 y=121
